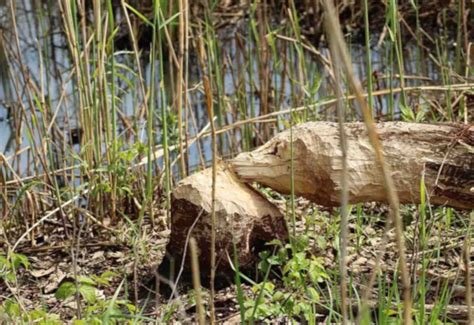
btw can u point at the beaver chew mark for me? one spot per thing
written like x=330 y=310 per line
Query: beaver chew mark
x=243 y=216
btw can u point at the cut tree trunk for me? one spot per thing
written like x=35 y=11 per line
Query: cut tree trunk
x=243 y=216
x=442 y=155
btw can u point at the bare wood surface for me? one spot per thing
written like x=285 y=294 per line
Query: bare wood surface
x=443 y=154
x=243 y=216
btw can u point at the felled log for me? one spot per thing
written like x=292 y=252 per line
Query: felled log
x=243 y=216
x=443 y=154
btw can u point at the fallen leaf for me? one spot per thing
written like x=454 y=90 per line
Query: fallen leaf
x=42 y=272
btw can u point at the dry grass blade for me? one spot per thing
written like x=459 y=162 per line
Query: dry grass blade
x=344 y=176
x=335 y=28
x=196 y=281
x=136 y=53
x=210 y=112
x=183 y=6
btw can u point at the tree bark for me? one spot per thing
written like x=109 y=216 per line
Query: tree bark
x=440 y=155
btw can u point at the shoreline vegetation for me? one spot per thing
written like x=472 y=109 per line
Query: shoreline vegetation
x=106 y=105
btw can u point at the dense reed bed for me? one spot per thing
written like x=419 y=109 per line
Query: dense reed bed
x=105 y=105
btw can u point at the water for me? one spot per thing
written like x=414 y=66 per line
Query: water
x=46 y=56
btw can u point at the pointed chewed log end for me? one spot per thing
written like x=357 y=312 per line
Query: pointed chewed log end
x=243 y=216
x=440 y=155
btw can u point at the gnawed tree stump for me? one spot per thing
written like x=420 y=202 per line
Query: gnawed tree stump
x=443 y=154
x=243 y=216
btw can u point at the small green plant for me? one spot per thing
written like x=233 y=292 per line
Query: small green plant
x=11 y=313
x=410 y=116
x=98 y=310
x=301 y=274
x=106 y=312
x=265 y=306
x=172 y=126
x=10 y=263
x=120 y=168
x=85 y=286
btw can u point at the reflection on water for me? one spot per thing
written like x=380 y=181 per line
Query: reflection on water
x=45 y=54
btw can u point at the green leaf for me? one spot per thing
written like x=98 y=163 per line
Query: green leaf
x=274 y=242
x=391 y=312
x=4 y=262
x=273 y=260
x=86 y=280
x=139 y=15
x=313 y=294
x=108 y=275
x=131 y=308
x=321 y=241
x=20 y=259
x=10 y=276
x=111 y=313
x=407 y=113
x=104 y=278
x=12 y=308
x=36 y=315
x=420 y=115
x=65 y=290
x=249 y=312
x=269 y=287
x=88 y=293
x=278 y=296
x=297 y=309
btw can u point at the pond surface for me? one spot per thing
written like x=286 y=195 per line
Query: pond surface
x=45 y=55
